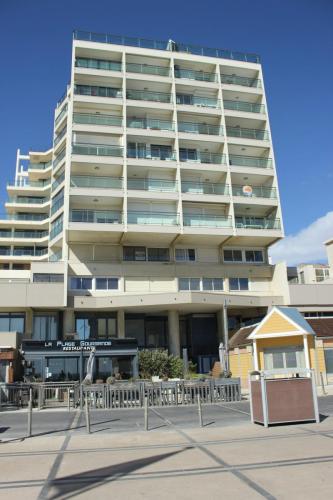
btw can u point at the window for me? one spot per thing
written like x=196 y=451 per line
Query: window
x=158 y=254
x=189 y=284
x=94 y=326
x=106 y=283
x=12 y=322
x=142 y=254
x=238 y=284
x=212 y=284
x=79 y=283
x=322 y=274
x=232 y=256
x=185 y=254
x=186 y=154
x=254 y=256
x=301 y=278
x=134 y=253
x=283 y=358
x=45 y=327
x=48 y=278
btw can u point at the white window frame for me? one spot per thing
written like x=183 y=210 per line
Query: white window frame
x=201 y=289
x=300 y=357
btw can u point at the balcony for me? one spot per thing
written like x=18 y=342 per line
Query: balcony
x=150 y=124
x=24 y=217
x=240 y=80
x=152 y=153
x=205 y=220
x=201 y=102
x=27 y=200
x=19 y=183
x=96 y=91
x=30 y=234
x=86 y=181
x=248 y=133
x=97 y=150
x=31 y=252
x=247 y=107
x=256 y=192
x=94 y=119
x=161 y=185
x=153 y=218
x=146 y=95
x=250 y=161
x=200 y=76
x=59 y=158
x=40 y=166
x=216 y=188
x=58 y=138
x=148 y=69
x=96 y=216
x=200 y=128
x=61 y=115
x=82 y=62
x=195 y=156
x=243 y=222
x=59 y=180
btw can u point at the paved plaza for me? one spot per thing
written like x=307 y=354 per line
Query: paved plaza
x=228 y=457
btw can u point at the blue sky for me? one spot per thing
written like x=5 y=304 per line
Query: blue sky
x=293 y=37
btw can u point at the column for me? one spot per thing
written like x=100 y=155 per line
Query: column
x=174 y=335
x=69 y=322
x=121 y=324
x=28 y=323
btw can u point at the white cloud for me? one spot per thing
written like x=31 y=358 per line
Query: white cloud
x=307 y=245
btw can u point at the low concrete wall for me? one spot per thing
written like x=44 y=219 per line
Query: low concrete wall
x=31 y=295
x=318 y=294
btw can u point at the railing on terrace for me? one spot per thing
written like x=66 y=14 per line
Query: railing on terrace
x=30 y=234
x=87 y=181
x=206 y=220
x=146 y=95
x=148 y=69
x=152 y=184
x=5 y=251
x=57 y=229
x=248 y=133
x=250 y=161
x=165 y=45
x=59 y=180
x=200 y=128
x=33 y=252
x=204 y=188
x=61 y=115
x=83 y=62
x=257 y=192
x=40 y=166
x=27 y=201
x=153 y=218
x=6 y=233
x=57 y=205
x=96 y=216
x=151 y=154
x=27 y=183
x=24 y=217
x=256 y=223
x=59 y=158
x=240 y=80
x=190 y=74
x=202 y=157
x=248 y=107
x=97 y=91
x=97 y=119
x=97 y=149
x=150 y=123
x=191 y=100
x=58 y=138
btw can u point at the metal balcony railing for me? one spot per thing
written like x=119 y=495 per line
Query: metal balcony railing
x=240 y=80
x=147 y=184
x=96 y=216
x=202 y=157
x=150 y=123
x=148 y=69
x=97 y=119
x=256 y=192
x=191 y=100
x=193 y=187
x=200 y=128
x=243 y=222
x=250 y=161
x=207 y=220
x=153 y=218
x=97 y=150
x=151 y=153
x=248 y=133
x=146 y=95
x=97 y=91
x=83 y=62
x=201 y=76
x=87 y=181
x=248 y=107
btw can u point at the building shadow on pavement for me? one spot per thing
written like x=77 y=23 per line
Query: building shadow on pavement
x=70 y=486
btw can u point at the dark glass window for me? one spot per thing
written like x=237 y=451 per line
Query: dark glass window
x=48 y=278
x=232 y=256
x=45 y=327
x=12 y=322
x=106 y=283
x=158 y=254
x=134 y=253
x=254 y=256
x=238 y=284
x=78 y=283
x=94 y=326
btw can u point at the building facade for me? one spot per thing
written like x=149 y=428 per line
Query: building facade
x=151 y=216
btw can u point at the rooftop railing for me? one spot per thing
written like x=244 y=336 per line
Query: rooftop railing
x=202 y=157
x=148 y=69
x=87 y=181
x=207 y=220
x=98 y=91
x=243 y=222
x=200 y=128
x=83 y=62
x=153 y=218
x=148 y=184
x=164 y=45
x=250 y=161
x=150 y=123
x=96 y=216
x=97 y=150
x=146 y=95
x=248 y=133
x=193 y=187
x=191 y=100
x=255 y=192
x=240 y=80
x=151 y=153
x=248 y=107
x=190 y=74
x=97 y=119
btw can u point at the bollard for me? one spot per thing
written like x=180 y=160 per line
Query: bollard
x=29 y=430
x=69 y=399
x=146 y=413
x=87 y=412
x=200 y=411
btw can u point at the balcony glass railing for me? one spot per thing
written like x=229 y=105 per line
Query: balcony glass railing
x=248 y=107
x=150 y=123
x=161 y=185
x=59 y=180
x=58 y=138
x=59 y=158
x=6 y=234
x=97 y=216
x=148 y=69
x=248 y=133
x=97 y=150
x=151 y=153
x=153 y=218
x=82 y=62
x=200 y=76
x=200 y=128
x=164 y=45
x=31 y=252
x=27 y=200
x=202 y=157
x=193 y=187
x=243 y=222
x=255 y=192
x=29 y=184
x=146 y=95
x=40 y=166
x=61 y=115
x=87 y=181
x=5 y=251
x=56 y=227
x=206 y=220
x=250 y=161
x=56 y=205
x=201 y=102
x=30 y=234
x=96 y=91
x=24 y=217
x=94 y=119
x=240 y=80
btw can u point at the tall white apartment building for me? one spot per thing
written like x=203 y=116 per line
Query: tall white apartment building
x=151 y=215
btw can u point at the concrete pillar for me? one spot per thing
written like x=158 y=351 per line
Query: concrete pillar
x=69 y=322
x=219 y=320
x=121 y=324
x=28 y=323
x=174 y=335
